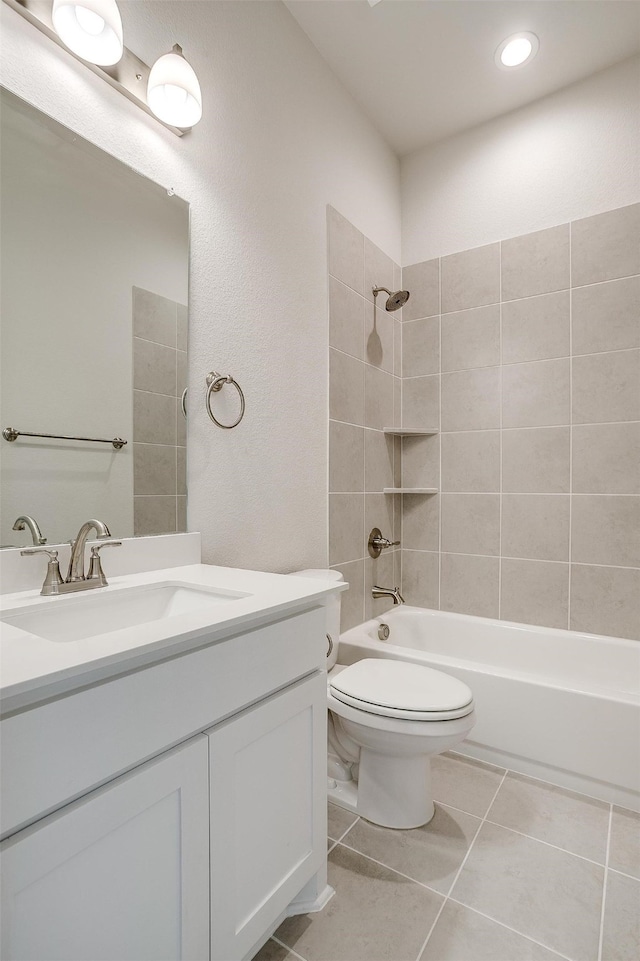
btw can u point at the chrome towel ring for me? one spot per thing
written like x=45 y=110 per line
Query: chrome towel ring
x=215 y=382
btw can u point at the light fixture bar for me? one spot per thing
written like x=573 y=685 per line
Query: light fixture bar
x=129 y=76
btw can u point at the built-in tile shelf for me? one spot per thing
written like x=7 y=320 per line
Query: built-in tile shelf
x=410 y=490
x=409 y=432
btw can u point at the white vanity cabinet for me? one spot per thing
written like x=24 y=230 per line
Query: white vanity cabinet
x=120 y=874
x=196 y=849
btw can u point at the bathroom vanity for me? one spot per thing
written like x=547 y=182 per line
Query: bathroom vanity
x=164 y=779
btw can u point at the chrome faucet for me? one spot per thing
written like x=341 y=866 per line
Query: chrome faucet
x=393 y=592
x=36 y=534
x=76 y=563
x=75 y=579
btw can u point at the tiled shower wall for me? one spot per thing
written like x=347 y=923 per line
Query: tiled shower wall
x=159 y=427
x=526 y=354
x=364 y=398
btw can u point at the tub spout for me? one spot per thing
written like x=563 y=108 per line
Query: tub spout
x=393 y=592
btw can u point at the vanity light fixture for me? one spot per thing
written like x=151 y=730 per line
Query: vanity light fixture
x=173 y=91
x=91 y=30
x=516 y=50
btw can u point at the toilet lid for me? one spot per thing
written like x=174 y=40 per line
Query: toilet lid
x=401 y=689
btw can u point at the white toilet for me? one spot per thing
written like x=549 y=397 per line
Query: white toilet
x=386 y=719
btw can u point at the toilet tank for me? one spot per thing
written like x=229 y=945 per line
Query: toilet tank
x=332 y=605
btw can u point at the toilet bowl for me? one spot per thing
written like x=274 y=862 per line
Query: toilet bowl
x=387 y=718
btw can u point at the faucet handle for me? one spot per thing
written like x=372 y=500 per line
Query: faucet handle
x=53 y=579
x=95 y=564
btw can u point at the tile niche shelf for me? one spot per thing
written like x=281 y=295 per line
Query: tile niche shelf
x=409 y=431
x=410 y=490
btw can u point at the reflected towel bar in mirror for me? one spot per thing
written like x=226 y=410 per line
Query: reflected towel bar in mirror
x=11 y=434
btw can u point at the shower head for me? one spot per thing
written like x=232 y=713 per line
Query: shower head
x=396 y=298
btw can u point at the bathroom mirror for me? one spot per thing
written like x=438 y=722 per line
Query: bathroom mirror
x=95 y=266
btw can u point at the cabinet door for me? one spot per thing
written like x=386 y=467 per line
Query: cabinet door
x=268 y=813
x=120 y=874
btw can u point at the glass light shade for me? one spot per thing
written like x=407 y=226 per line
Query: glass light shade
x=516 y=50
x=91 y=29
x=173 y=91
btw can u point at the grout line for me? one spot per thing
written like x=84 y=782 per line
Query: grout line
x=344 y=833
x=440 y=433
x=287 y=948
x=548 y=844
x=535 y=560
x=474 y=430
x=459 y=871
x=568 y=624
x=605 y=882
x=517 y=363
x=527 y=937
x=387 y=867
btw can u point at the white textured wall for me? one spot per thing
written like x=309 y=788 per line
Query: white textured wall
x=567 y=156
x=279 y=140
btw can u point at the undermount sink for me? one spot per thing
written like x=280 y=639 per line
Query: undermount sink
x=74 y=619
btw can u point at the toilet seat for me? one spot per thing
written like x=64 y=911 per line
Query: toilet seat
x=398 y=689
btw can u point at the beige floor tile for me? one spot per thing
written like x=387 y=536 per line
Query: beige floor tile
x=464 y=783
x=464 y=935
x=621 y=932
x=376 y=915
x=431 y=854
x=272 y=951
x=624 y=849
x=549 y=895
x=571 y=821
x=339 y=821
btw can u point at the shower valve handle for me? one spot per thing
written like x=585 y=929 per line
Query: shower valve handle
x=378 y=543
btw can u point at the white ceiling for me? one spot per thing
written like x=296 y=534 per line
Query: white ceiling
x=424 y=69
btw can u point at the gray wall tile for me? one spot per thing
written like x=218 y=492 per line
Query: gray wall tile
x=379 y=571
x=605 y=530
x=420 y=461
x=421 y=522
x=421 y=578
x=346 y=319
x=606 y=459
x=471 y=278
x=471 y=338
x=470 y=523
x=535 y=592
x=469 y=584
x=346 y=457
x=346 y=388
x=536 y=460
x=421 y=347
x=536 y=394
x=154 y=469
x=605 y=600
x=181 y=470
x=154 y=418
x=378 y=460
x=181 y=514
x=352 y=601
x=378 y=398
x=423 y=283
x=606 y=316
x=155 y=317
x=378 y=272
x=471 y=461
x=535 y=526
x=606 y=246
x=471 y=399
x=154 y=515
x=606 y=387
x=346 y=251
x=346 y=528
x=535 y=263
x=421 y=402
x=379 y=330
x=536 y=328
x=154 y=367
x=182 y=333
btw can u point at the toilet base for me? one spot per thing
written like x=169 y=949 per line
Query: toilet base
x=392 y=798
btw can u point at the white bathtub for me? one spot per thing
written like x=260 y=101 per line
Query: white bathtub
x=553 y=704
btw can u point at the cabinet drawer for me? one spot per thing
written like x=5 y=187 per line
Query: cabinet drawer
x=60 y=750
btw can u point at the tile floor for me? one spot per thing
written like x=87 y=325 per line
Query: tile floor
x=509 y=869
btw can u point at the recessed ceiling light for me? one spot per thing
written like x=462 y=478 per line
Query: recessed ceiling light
x=516 y=50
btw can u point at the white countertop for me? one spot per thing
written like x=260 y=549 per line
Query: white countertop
x=32 y=667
